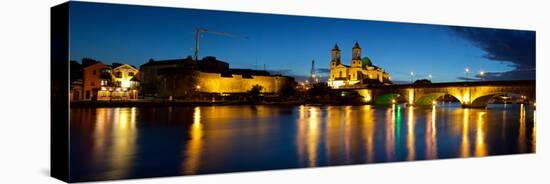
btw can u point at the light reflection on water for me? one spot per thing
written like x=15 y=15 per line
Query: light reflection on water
x=116 y=143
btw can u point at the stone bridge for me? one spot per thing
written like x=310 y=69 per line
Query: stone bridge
x=470 y=94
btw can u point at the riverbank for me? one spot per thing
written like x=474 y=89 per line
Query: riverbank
x=166 y=103
x=161 y=103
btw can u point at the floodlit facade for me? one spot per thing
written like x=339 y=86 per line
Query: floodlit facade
x=104 y=82
x=93 y=77
x=361 y=71
x=181 y=78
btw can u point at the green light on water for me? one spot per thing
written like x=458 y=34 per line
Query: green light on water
x=398 y=126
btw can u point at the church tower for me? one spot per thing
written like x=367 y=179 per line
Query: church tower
x=335 y=56
x=356 y=56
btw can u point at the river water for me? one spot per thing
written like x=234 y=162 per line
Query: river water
x=130 y=142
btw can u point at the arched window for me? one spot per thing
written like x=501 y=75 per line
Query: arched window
x=341 y=74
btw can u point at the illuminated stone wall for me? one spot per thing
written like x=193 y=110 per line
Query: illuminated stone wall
x=215 y=83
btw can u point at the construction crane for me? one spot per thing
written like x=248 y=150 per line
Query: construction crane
x=198 y=32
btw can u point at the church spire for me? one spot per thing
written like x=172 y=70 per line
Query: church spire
x=335 y=56
x=336 y=47
x=356 y=53
x=356 y=45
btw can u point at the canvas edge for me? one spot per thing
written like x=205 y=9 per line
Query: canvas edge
x=59 y=91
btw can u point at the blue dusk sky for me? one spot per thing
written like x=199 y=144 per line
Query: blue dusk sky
x=287 y=44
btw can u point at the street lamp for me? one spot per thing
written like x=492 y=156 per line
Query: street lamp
x=430 y=76
x=482 y=74
x=412 y=77
x=199 y=91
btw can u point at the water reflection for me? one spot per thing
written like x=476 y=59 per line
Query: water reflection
x=390 y=133
x=194 y=147
x=431 y=133
x=465 y=147
x=369 y=130
x=522 y=129
x=308 y=134
x=114 y=137
x=480 y=148
x=115 y=143
x=410 y=134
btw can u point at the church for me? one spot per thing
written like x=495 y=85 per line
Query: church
x=361 y=72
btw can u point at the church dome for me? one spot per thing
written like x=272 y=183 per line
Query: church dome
x=366 y=62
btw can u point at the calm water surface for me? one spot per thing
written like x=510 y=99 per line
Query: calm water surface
x=118 y=143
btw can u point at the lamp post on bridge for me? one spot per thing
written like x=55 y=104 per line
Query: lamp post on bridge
x=411 y=93
x=481 y=75
x=468 y=100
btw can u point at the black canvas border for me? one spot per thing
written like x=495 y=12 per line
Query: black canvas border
x=59 y=89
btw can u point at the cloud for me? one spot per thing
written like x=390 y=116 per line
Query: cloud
x=517 y=48
x=323 y=70
x=468 y=79
x=281 y=71
x=515 y=74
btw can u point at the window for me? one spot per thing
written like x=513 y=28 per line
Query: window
x=341 y=74
x=131 y=74
x=103 y=93
x=94 y=72
x=105 y=70
x=93 y=84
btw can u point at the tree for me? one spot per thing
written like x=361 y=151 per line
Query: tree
x=318 y=91
x=89 y=61
x=422 y=81
x=255 y=91
x=288 y=91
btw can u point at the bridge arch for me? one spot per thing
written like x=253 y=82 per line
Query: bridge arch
x=482 y=101
x=429 y=98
